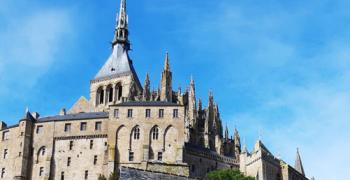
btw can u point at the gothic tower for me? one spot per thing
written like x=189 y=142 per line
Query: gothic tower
x=166 y=82
x=117 y=80
x=146 y=95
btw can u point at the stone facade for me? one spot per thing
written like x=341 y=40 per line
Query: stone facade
x=261 y=164
x=126 y=126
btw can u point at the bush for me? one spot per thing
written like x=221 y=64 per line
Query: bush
x=226 y=174
x=114 y=176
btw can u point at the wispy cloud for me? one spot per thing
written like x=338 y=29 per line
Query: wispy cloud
x=30 y=44
x=292 y=65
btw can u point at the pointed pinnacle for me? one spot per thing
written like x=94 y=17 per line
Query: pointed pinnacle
x=192 y=80
x=147 y=77
x=166 y=62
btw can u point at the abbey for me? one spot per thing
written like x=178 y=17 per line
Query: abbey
x=125 y=127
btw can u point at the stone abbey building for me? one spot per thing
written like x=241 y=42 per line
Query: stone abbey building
x=126 y=127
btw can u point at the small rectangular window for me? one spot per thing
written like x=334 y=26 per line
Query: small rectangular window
x=161 y=113
x=131 y=156
x=5 y=135
x=175 y=113
x=129 y=113
x=160 y=156
x=86 y=175
x=98 y=126
x=39 y=129
x=20 y=154
x=68 y=161
x=91 y=144
x=116 y=113
x=83 y=126
x=62 y=175
x=95 y=160
x=67 y=127
x=148 y=113
x=41 y=171
x=70 y=145
x=5 y=153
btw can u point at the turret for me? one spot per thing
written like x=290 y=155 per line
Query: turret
x=166 y=82
x=237 y=142
x=146 y=95
x=226 y=134
x=200 y=105
x=192 y=106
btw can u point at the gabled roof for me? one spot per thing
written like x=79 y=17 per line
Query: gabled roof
x=82 y=105
x=260 y=146
x=118 y=63
x=79 y=116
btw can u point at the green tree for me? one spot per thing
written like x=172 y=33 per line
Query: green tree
x=226 y=174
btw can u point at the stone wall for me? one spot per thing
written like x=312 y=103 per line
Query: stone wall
x=131 y=174
x=201 y=161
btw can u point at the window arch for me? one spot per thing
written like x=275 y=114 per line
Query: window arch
x=118 y=91
x=41 y=152
x=100 y=96
x=110 y=93
x=155 y=133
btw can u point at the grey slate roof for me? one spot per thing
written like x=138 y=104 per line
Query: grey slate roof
x=93 y=115
x=147 y=103
x=117 y=63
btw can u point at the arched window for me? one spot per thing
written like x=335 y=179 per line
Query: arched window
x=137 y=133
x=100 y=96
x=155 y=132
x=110 y=93
x=118 y=91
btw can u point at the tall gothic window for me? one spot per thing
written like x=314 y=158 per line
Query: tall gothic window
x=155 y=133
x=118 y=91
x=137 y=133
x=100 y=96
x=110 y=93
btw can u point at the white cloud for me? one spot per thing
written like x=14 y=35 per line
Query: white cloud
x=312 y=116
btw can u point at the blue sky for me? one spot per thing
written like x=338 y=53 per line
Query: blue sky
x=281 y=68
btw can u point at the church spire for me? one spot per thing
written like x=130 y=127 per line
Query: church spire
x=298 y=164
x=226 y=134
x=166 y=62
x=166 y=82
x=121 y=29
x=146 y=89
